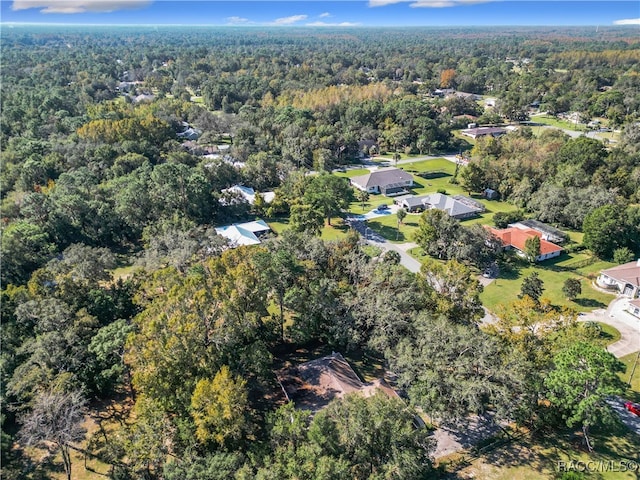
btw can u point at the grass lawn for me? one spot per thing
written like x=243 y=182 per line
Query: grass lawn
x=553 y=273
x=633 y=392
x=337 y=230
x=352 y=173
x=559 y=123
x=536 y=457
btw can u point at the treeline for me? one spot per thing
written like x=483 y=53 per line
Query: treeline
x=569 y=182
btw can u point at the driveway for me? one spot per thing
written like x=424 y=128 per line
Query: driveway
x=372 y=238
x=617 y=316
x=629 y=419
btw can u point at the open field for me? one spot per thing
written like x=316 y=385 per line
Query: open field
x=553 y=273
x=558 y=122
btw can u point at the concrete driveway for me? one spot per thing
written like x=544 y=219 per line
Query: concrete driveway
x=629 y=419
x=376 y=240
x=617 y=316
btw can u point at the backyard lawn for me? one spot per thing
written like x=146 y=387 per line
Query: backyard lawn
x=553 y=273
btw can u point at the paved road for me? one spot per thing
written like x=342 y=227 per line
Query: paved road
x=628 y=326
x=376 y=240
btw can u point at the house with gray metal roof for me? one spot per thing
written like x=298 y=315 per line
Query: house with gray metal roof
x=455 y=207
x=388 y=181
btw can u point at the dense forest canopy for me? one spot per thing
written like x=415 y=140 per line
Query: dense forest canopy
x=99 y=172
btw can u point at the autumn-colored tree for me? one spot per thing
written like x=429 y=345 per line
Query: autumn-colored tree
x=447 y=78
x=218 y=408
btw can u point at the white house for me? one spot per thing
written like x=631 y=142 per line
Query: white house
x=624 y=278
x=249 y=194
x=247 y=233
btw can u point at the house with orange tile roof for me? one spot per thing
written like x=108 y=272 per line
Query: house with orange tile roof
x=516 y=238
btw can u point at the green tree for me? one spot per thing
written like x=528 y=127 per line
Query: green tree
x=25 y=247
x=451 y=370
x=401 y=214
x=328 y=194
x=362 y=196
x=623 y=255
x=218 y=408
x=376 y=435
x=532 y=286
x=532 y=248
x=279 y=270
x=436 y=229
x=472 y=178
x=604 y=230
x=572 y=288
x=306 y=218
x=583 y=377
x=452 y=289
x=108 y=348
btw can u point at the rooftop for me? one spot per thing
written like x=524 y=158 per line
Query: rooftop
x=382 y=176
x=312 y=385
x=517 y=237
x=627 y=272
x=243 y=233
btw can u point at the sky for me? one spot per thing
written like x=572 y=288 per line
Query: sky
x=344 y=13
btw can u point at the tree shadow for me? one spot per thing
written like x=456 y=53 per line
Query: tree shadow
x=390 y=233
x=589 y=303
x=433 y=175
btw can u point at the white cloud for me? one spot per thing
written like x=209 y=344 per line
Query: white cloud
x=236 y=20
x=324 y=15
x=428 y=3
x=325 y=24
x=290 y=20
x=627 y=21
x=79 y=6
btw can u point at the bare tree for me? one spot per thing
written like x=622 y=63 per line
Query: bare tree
x=55 y=422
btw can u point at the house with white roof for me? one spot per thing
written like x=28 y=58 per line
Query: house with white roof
x=247 y=233
x=249 y=194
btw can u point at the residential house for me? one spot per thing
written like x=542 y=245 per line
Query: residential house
x=634 y=308
x=547 y=232
x=458 y=206
x=249 y=194
x=624 y=279
x=516 y=238
x=312 y=385
x=483 y=132
x=248 y=233
x=467 y=96
x=388 y=181
x=189 y=132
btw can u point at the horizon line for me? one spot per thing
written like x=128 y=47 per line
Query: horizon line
x=59 y=24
